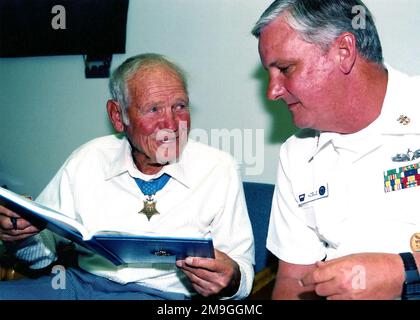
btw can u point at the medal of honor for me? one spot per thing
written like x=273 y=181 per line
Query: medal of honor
x=149 y=189
x=415 y=242
x=149 y=208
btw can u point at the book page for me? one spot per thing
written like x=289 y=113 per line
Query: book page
x=38 y=213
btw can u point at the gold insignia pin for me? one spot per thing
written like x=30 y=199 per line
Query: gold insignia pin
x=415 y=242
x=404 y=120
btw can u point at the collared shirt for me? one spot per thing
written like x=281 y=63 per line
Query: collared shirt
x=332 y=198
x=203 y=198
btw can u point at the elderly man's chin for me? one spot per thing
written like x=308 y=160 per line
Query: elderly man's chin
x=168 y=152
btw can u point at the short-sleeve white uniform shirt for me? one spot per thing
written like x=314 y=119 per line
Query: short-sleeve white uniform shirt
x=332 y=197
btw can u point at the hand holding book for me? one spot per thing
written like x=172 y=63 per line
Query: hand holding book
x=119 y=248
x=12 y=226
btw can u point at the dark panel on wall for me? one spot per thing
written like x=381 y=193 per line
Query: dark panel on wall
x=62 y=27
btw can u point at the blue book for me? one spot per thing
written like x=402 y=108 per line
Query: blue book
x=119 y=248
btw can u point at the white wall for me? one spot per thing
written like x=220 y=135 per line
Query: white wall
x=48 y=108
x=398 y=23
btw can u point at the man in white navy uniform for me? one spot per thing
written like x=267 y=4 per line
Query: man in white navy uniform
x=344 y=221
x=187 y=190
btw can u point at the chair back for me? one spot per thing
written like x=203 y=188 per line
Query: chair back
x=258 y=198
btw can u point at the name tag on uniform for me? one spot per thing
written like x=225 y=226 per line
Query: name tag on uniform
x=319 y=193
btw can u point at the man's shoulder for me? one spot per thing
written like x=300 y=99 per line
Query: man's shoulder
x=413 y=83
x=111 y=141
x=101 y=147
x=202 y=164
x=203 y=155
x=202 y=150
x=402 y=98
x=404 y=81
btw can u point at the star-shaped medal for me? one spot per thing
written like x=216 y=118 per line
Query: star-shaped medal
x=149 y=208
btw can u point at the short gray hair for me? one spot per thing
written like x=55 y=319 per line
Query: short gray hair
x=118 y=80
x=322 y=21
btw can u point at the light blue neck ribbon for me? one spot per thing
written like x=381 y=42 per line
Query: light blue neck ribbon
x=150 y=188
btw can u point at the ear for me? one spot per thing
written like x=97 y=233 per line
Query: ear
x=347 y=51
x=115 y=115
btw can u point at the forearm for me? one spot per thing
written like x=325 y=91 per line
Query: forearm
x=289 y=284
x=290 y=289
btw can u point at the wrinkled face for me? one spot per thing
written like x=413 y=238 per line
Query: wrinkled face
x=302 y=74
x=158 y=114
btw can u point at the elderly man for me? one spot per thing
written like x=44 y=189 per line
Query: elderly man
x=343 y=222
x=190 y=189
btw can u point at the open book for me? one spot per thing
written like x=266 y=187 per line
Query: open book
x=117 y=247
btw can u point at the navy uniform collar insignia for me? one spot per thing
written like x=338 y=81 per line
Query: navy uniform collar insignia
x=404 y=120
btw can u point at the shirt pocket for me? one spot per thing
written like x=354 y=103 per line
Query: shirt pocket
x=325 y=212
x=309 y=218
x=403 y=205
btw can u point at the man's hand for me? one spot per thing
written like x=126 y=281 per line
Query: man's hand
x=220 y=276
x=358 y=276
x=13 y=227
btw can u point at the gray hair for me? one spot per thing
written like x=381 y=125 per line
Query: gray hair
x=118 y=80
x=322 y=21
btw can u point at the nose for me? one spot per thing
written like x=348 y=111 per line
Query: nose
x=169 y=121
x=276 y=89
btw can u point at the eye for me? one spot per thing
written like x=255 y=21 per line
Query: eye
x=284 y=70
x=180 y=107
x=153 y=109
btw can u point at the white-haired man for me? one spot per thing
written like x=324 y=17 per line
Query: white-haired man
x=196 y=191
